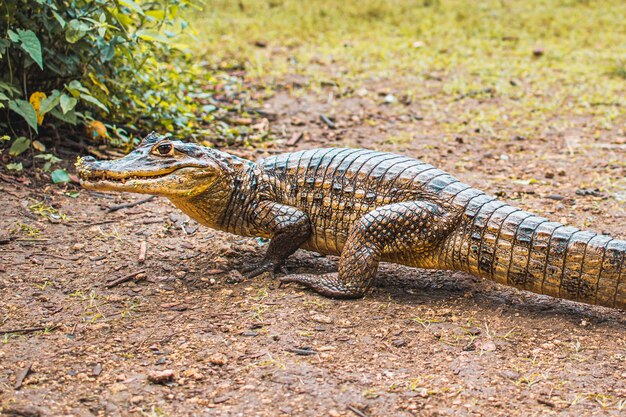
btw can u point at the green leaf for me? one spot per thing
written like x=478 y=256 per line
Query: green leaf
x=4 y=97
x=76 y=30
x=5 y=138
x=75 y=87
x=13 y=36
x=9 y=88
x=70 y=117
x=132 y=5
x=50 y=102
x=24 y=109
x=19 y=145
x=156 y=14
x=72 y=194
x=151 y=35
x=60 y=176
x=59 y=19
x=15 y=166
x=31 y=44
x=93 y=100
x=67 y=103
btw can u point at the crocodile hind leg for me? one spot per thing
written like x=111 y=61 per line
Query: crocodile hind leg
x=410 y=228
x=288 y=228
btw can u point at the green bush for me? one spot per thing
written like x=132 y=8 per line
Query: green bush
x=98 y=63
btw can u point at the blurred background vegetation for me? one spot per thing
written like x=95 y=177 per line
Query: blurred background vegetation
x=118 y=69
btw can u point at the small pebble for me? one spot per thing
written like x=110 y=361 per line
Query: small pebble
x=161 y=377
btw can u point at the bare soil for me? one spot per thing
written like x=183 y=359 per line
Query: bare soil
x=423 y=343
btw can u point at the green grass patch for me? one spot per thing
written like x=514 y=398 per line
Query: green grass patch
x=542 y=56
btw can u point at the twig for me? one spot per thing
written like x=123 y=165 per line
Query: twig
x=129 y=205
x=99 y=223
x=356 y=411
x=7 y=239
x=295 y=138
x=143 y=247
x=327 y=121
x=21 y=375
x=302 y=352
x=28 y=330
x=123 y=279
x=51 y=255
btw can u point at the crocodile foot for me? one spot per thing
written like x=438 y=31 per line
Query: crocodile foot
x=272 y=267
x=328 y=285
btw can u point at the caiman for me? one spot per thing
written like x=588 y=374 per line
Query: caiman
x=367 y=207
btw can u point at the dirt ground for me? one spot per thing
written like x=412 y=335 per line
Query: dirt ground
x=423 y=343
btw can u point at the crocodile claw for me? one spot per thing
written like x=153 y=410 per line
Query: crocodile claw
x=265 y=266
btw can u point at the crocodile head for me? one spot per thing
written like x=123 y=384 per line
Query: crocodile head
x=159 y=166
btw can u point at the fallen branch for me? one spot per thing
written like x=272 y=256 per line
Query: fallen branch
x=7 y=239
x=28 y=330
x=21 y=375
x=129 y=205
x=123 y=279
x=356 y=411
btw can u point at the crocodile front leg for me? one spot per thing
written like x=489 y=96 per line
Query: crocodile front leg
x=409 y=229
x=288 y=228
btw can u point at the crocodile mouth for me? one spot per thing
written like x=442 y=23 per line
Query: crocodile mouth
x=122 y=181
x=122 y=177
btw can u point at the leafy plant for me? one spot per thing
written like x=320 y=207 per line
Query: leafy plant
x=79 y=62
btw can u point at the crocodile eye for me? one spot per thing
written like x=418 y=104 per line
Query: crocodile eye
x=165 y=149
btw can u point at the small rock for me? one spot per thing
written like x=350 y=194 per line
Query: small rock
x=399 y=342
x=555 y=197
x=234 y=277
x=510 y=374
x=174 y=306
x=97 y=369
x=488 y=346
x=218 y=359
x=193 y=374
x=390 y=98
x=594 y=192
x=221 y=399
x=21 y=410
x=537 y=52
x=296 y=121
x=117 y=387
x=161 y=377
x=320 y=318
x=136 y=399
x=474 y=331
x=549 y=175
x=78 y=246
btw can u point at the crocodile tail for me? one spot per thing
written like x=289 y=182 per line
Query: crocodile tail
x=516 y=248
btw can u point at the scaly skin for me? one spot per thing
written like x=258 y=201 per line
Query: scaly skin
x=368 y=207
